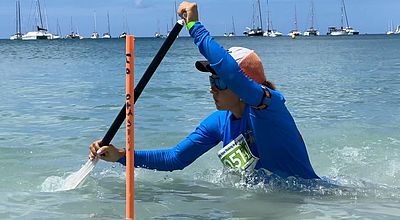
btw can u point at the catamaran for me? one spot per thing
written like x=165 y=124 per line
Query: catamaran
x=343 y=30
x=311 y=31
x=18 y=34
x=255 y=31
x=41 y=32
x=295 y=32
x=73 y=35
x=270 y=29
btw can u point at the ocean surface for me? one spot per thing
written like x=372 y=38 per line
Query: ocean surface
x=56 y=97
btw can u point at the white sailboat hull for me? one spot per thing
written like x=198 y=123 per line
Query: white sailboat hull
x=338 y=33
x=294 y=33
x=16 y=37
x=311 y=33
x=95 y=35
x=37 y=35
x=123 y=35
x=106 y=36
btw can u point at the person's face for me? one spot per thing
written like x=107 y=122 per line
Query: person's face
x=223 y=97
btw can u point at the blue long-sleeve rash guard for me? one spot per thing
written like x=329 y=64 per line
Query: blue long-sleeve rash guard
x=277 y=141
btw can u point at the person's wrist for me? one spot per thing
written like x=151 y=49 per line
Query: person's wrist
x=190 y=24
x=121 y=153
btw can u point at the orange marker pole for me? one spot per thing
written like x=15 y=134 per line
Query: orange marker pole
x=130 y=128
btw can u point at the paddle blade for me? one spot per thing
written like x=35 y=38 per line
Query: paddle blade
x=77 y=178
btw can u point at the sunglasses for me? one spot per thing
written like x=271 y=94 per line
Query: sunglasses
x=218 y=83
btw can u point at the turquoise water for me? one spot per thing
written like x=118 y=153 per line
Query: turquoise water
x=59 y=96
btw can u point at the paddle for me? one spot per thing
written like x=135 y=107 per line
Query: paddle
x=75 y=179
x=143 y=81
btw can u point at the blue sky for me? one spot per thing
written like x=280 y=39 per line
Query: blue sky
x=147 y=16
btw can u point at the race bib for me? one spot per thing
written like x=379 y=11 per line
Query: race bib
x=237 y=155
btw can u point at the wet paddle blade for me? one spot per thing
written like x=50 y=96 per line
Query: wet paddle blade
x=77 y=178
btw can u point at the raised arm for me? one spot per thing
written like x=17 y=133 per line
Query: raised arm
x=220 y=60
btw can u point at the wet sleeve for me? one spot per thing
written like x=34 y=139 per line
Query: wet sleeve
x=203 y=138
x=226 y=67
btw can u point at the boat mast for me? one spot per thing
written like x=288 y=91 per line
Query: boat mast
x=58 y=28
x=108 y=21
x=126 y=23
x=341 y=19
x=18 y=17
x=95 y=22
x=345 y=13
x=176 y=16
x=46 y=19
x=158 y=26
x=295 y=18
x=253 y=20
x=40 y=14
x=312 y=15
x=391 y=26
x=72 y=29
x=268 y=22
x=233 y=26
x=175 y=12
x=259 y=11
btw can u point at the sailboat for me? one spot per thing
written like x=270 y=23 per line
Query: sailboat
x=311 y=31
x=123 y=35
x=295 y=32
x=158 y=33
x=231 y=34
x=107 y=35
x=397 y=31
x=390 y=28
x=18 y=34
x=270 y=29
x=73 y=35
x=349 y=30
x=255 y=31
x=391 y=31
x=169 y=31
x=333 y=31
x=94 y=35
x=58 y=34
x=41 y=32
x=173 y=21
x=125 y=27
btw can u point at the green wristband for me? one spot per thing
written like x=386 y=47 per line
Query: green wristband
x=190 y=25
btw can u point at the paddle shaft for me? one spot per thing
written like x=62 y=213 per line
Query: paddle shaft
x=143 y=81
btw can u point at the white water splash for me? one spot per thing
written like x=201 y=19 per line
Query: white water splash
x=55 y=183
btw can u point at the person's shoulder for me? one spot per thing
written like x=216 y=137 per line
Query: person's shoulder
x=216 y=117
x=214 y=122
x=221 y=114
x=276 y=95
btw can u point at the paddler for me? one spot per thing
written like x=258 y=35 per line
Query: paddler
x=252 y=121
